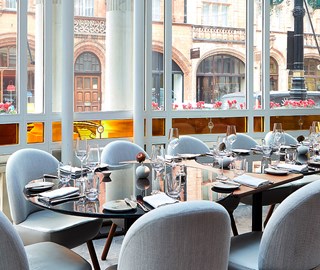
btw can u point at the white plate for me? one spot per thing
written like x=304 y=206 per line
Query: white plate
x=39 y=186
x=188 y=156
x=276 y=171
x=221 y=185
x=241 y=151
x=117 y=206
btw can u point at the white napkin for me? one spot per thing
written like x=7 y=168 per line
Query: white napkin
x=72 y=170
x=293 y=167
x=59 y=193
x=159 y=199
x=251 y=181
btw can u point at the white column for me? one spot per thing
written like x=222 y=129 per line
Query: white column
x=139 y=72
x=67 y=75
x=119 y=84
x=39 y=66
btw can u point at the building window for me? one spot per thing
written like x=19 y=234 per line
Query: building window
x=215 y=13
x=312 y=74
x=84 y=8
x=274 y=74
x=11 y=4
x=156 y=10
x=219 y=75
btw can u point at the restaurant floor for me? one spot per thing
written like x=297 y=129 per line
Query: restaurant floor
x=242 y=216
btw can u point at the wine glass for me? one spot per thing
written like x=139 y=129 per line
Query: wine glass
x=93 y=157
x=278 y=138
x=173 y=137
x=231 y=135
x=81 y=151
x=220 y=152
x=158 y=164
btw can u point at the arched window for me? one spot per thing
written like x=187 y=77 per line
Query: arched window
x=218 y=75
x=274 y=74
x=87 y=62
x=312 y=74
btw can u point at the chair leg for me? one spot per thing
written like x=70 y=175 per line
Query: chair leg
x=233 y=225
x=93 y=255
x=108 y=241
x=270 y=211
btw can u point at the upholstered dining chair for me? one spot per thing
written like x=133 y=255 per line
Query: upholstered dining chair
x=45 y=255
x=113 y=154
x=291 y=239
x=182 y=236
x=188 y=145
x=289 y=139
x=35 y=224
x=244 y=141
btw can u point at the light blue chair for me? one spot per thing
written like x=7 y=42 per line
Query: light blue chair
x=113 y=154
x=244 y=141
x=35 y=224
x=291 y=239
x=188 y=145
x=45 y=255
x=182 y=236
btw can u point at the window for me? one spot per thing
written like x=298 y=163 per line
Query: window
x=156 y=11
x=215 y=13
x=84 y=8
x=220 y=75
x=11 y=4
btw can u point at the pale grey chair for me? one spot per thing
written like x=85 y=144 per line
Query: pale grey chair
x=38 y=225
x=45 y=255
x=244 y=141
x=182 y=236
x=113 y=154
x=291 y=239
x=188 y=145
x=289 y=139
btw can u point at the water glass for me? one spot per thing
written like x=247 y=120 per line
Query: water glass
x=290 y=155
x=240 y=166
x=173 y=184
x=92 y=185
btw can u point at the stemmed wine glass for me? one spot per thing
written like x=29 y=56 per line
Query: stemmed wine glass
x=231 y=135
x=173 y=137
x=278 y=137
x=81 y=151
x=220 y=152
x=158 y=164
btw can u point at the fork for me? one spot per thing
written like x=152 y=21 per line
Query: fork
x=133 y=198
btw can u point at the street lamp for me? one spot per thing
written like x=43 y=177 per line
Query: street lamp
x=298 y=89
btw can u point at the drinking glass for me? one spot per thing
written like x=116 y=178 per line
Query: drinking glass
x=173 y=184
x=81 y=151
x=158 y=165
x=240 y=166
x=231 y=135
x=220 y=153
x=92 y=180
x=173 y=137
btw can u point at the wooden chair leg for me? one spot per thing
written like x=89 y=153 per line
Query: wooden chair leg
x=93 y=255
x=270 y=211
x=108 y=241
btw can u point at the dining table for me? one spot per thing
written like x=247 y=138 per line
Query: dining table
x=198 y=184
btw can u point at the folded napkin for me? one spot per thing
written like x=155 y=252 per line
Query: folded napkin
x=59 y=194
x=293 y=167
x=75 y=171
x=159 y=199
x=251 y=181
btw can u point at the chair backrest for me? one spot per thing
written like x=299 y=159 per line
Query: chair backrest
x=181 y=236
x=12 y=252
x=289 y=139
x=116 y=151
x=244 y=141
x=23 y=166
x=291 y=239
x=188 y=145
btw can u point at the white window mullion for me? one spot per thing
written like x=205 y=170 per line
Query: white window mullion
x=22 y=64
